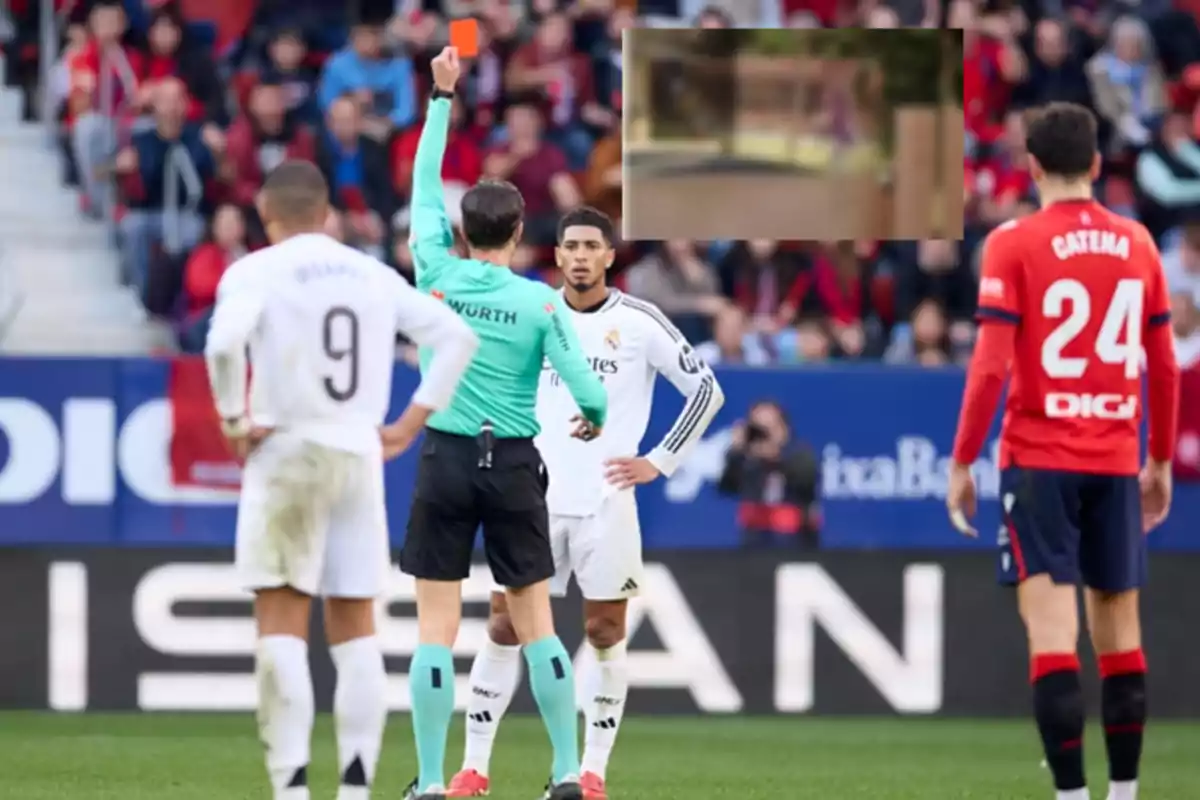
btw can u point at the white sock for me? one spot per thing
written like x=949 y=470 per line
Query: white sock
x=359 y=711
x=285 y=710
x=1073 y=794
x=494 y=678
x=1122 y=790
x=608 y=686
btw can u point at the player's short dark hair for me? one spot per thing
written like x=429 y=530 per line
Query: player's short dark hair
x=491 y=213
x=1062 y=137
x=589 y=217
x=296 y=192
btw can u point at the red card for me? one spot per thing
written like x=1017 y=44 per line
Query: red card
x=464 y=35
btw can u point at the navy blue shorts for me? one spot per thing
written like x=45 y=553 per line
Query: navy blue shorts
x=1073 y=526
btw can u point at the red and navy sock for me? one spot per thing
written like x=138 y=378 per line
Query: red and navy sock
x=1058 y=708
x=1123 y=705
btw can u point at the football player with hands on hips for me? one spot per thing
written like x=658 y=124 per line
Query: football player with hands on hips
x=319 y=320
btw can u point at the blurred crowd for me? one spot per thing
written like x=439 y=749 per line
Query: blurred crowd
x=1136 y=63
x=169 y=123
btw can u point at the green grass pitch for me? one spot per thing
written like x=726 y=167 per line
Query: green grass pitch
x=202 y=757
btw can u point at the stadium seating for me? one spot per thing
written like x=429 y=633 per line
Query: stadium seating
x=60 y=291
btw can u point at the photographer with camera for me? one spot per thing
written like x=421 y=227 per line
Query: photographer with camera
x=775 y=480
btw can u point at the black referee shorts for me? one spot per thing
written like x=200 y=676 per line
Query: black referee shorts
x=454 y=497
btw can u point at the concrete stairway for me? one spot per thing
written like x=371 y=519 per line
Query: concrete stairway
x=60 y=291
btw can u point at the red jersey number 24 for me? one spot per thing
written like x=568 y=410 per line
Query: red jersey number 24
x=1122 y=320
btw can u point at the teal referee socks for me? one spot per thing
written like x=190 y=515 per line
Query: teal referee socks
x=431 y=683
x=553 y=683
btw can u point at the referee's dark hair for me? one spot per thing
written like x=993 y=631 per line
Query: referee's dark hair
x=295 y=195
x=1061 y=137
x=588 y=217
x=491 y=214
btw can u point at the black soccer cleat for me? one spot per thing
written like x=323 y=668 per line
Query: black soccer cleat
x=568 y=789
x=437 y=793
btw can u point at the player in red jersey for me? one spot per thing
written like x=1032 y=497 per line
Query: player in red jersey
x=1068 y=299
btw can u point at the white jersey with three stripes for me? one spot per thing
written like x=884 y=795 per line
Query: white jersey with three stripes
x=594 y=527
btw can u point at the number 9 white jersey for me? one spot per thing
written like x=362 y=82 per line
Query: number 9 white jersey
x=320 y=321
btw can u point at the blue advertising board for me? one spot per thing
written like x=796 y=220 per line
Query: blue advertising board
x=84 y=459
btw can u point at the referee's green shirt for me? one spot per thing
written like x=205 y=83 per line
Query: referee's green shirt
x=520 y=322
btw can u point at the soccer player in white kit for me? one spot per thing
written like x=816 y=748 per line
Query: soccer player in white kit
x=319 y=320
x=593 y=514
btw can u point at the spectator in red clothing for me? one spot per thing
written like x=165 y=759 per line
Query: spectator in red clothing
x=104 y=84
x=171 y=54
x=539 y=171
x=835 y=291
x=462 y=164
x=992 y=63
x=1000 y=174
x=207 y=263
x=564 y=80
x=356 y=167
x=262 y=139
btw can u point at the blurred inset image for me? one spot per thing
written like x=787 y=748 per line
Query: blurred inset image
x=746 y=133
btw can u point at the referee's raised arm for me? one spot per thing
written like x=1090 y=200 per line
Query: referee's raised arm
x=431 y=236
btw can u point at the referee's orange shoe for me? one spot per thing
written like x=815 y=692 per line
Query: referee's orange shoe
x=468 y=783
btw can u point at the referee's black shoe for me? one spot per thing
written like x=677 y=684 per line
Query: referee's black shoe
x=568 y=789
x=436 y=793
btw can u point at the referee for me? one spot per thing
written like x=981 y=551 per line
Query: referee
x=478 y=464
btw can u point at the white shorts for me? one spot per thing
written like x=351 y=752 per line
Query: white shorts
x=603 y=551
x=312 y=518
